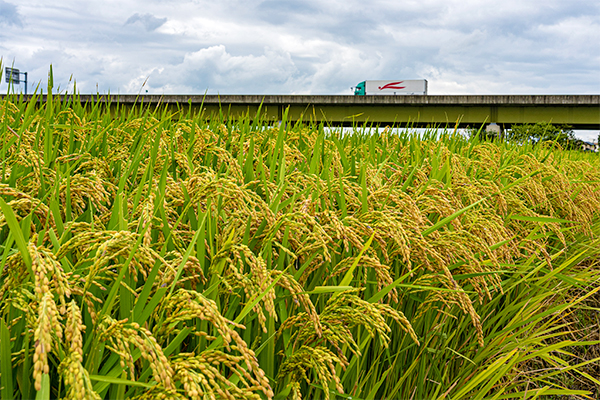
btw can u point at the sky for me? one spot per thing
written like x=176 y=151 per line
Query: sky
x=304 y=46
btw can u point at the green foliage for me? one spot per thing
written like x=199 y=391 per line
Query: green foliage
x=544 y=132
x=560 y=136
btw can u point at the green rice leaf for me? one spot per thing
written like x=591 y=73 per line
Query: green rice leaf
x=15 y=229
x=119 y=381
x=6 y=370
x=450 y=218
x=44 y=393
x=350 y=273
x=329 y=289
x=540 y=219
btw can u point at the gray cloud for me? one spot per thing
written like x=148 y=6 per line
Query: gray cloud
x=9 y=15
x=148 y=21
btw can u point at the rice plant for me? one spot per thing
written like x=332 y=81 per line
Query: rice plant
x=160 y=253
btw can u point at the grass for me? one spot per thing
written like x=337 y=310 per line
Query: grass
x=149 y=253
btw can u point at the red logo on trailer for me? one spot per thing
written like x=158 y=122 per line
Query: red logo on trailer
x=392 y=85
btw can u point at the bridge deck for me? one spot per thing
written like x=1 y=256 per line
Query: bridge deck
x=579 y=111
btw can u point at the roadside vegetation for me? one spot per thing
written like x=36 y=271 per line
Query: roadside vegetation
x=561 y=136
x=155 y=253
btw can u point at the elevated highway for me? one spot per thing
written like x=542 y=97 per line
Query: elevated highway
x=579 y=111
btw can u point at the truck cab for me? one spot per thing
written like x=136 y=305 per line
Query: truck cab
x=359 y=90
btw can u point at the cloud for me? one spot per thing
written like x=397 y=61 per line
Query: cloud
x=9 y=15
x=320 y=68
x=308 y=46
x=280 y=12
x=219 y=71
x=148 y=21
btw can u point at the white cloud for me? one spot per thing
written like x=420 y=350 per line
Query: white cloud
x=218 y=71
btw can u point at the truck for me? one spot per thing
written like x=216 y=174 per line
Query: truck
x=393 y=87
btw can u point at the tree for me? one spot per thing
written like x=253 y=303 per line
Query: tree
x=544 y=132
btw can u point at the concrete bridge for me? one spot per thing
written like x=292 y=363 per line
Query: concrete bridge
x=579 y=111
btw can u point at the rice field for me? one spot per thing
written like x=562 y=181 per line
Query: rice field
x=151 y=253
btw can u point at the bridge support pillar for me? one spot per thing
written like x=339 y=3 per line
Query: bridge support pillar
x=494 y=128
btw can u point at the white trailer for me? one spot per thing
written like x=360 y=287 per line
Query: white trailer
x=392 y=87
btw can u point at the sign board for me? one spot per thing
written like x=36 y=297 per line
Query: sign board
x=12 y=75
